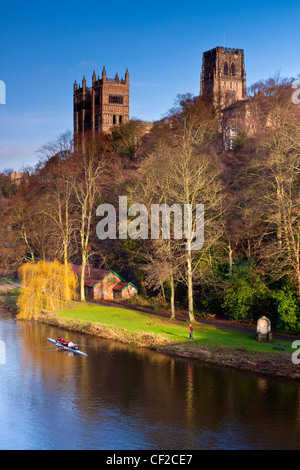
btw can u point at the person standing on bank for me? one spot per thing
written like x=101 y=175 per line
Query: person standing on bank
x=191 y=332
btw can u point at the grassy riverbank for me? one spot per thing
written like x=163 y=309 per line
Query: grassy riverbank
x=212 y=344
x=174 y=331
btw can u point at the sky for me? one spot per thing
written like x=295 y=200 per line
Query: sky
x=45 y=46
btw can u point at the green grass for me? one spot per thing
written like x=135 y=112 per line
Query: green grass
x=174 y=330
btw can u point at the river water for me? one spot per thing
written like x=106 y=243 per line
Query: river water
x=119 y=397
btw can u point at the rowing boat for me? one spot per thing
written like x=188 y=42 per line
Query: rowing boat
x=59 y=345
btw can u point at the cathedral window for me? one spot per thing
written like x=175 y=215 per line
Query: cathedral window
x=115 y=99
x=225 y=68
x=233 y=70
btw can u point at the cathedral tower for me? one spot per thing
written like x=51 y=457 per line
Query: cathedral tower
x=223 y=78
x=102 y=106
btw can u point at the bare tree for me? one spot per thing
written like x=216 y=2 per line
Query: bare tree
x=182 y=169
x=86 y=184
x=270 y=198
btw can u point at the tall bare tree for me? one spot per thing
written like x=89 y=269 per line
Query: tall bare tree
x=182 y=169
x=87 y=185
x=269 y=178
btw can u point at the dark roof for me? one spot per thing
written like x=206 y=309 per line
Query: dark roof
x=120 y=286
x=92 y=275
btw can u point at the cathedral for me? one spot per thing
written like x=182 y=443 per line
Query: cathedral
x=105 y=104
x=223 y=83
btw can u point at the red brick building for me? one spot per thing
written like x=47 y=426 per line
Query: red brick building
x=103 y=284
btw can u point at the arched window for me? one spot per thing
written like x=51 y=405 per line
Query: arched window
x=225 y=68
x=120 y=119
x=114 y=119
x=232 y=69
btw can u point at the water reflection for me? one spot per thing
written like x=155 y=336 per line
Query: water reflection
x=120 y=397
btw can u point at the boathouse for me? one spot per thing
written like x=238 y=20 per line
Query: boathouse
x=103 y=284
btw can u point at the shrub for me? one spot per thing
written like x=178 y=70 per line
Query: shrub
x=245 y=293
x=288 y=309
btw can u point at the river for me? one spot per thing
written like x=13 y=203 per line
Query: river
x=120 y=397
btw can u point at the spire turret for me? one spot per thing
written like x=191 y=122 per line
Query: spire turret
x=127 y=76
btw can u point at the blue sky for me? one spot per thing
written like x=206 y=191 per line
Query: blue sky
x=45 y=46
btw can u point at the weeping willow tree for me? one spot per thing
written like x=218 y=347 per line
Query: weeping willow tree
x=45 y=286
